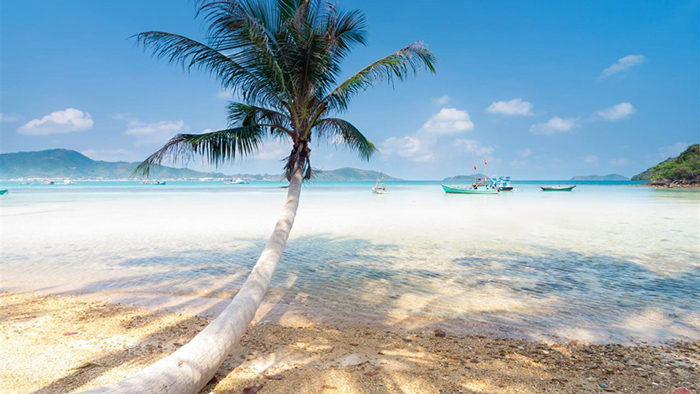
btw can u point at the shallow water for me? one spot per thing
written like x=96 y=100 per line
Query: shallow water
x=602 y=263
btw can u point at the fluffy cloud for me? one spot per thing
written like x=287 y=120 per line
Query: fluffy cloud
x=448 y=121
x=225 y=94
x=410 y=147
x=511 y=107
x=442 y=100
x=154 y=133
x=617 y=112
x=624 y=64
x=554 y=126
x=526 y=152
x=474 y=146
x=7 y=118
x=70 y=120
x=618 y=162
x=590 y=159
x=274 y=150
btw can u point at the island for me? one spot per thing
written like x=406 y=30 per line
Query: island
x=464 y=178
x=66 y=163
x=682 y=171
x=609 y=177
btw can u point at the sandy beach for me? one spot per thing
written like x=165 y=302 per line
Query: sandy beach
x=64 y=343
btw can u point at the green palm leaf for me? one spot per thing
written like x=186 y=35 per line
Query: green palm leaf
x=216 y=147
x=343 y=132
x=284 y=57
x=413 y=58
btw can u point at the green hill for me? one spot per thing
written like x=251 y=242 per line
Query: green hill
x=681 y=170
x=609 y=177
x=464 y=178
x=64 y=163
x=351 y=174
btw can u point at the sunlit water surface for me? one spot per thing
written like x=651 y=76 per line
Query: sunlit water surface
x=602 y=263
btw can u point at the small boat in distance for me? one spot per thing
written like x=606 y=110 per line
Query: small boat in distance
x=152 y=182
x=237 y=181
x=379 y=188
x=3 y=191
x=557 y=188
x=480 y=186
x=502 y=183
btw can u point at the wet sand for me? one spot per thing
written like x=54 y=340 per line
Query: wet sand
x=54 y=344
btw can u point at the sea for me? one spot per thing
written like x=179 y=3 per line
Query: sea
x=609 y=262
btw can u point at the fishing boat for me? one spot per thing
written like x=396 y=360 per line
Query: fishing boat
x=379 y=188
x=3 y=191
x=152 y=182
x=480 y=186
x=237 y=181
x=557 y=188
x=502 y=183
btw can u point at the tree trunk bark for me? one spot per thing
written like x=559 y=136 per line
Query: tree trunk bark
x=192 y=366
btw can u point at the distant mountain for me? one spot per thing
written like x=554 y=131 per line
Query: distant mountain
x=681 y=170
x=464 y=178
x=351 y=174
x=64 y=163
x=610 y=177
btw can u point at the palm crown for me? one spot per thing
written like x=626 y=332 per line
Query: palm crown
x=283 y=58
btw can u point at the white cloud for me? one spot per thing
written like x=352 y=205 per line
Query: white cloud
x=511 y=107
x=618 y=162
x=474 y=146
x=448 y=121
x=7 y=118
x=617 y=112
x=409 y=147
x=590 y=159
x=108 y=154
x=624 y=64
x=274 y=150
x=442 y=100
x=526 y=152
x=554 y=126
x=225 y=94
x=154 y=133
x=70 y=120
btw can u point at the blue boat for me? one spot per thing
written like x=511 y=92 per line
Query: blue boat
x=502 y=183
x=480 y=186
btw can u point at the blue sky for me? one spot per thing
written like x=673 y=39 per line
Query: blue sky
x=540 y=90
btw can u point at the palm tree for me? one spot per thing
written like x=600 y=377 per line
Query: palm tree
x=283 y=58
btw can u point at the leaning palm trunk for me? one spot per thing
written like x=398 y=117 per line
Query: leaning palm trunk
x=192 y=366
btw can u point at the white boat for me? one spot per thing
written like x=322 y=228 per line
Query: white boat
x=237 y=181
x=379 y=188
x=502 y=183
x=152 y=182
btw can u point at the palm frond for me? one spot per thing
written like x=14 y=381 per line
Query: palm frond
x=413 y=58
x=216 y=148
x=250 y=115
x=189 y=54
x=343 y=132
x=246 y=30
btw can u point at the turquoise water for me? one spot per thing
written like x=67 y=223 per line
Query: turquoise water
x=606 y=262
